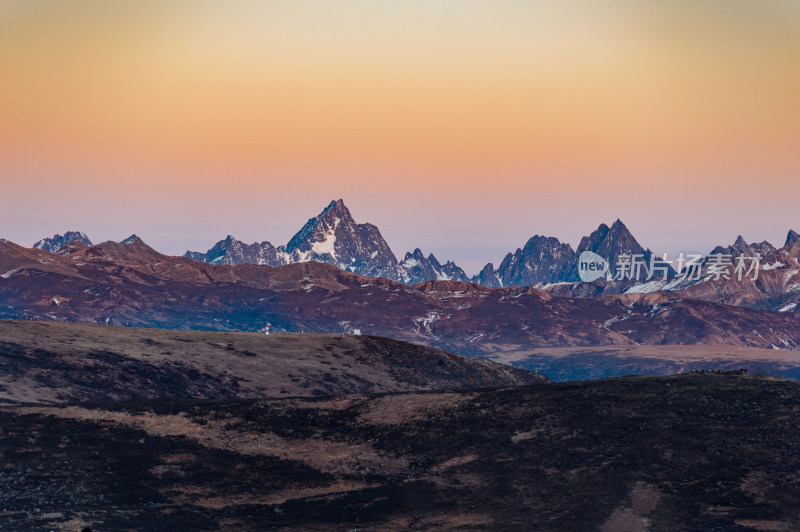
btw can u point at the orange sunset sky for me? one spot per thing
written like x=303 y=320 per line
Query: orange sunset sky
x=462 y=127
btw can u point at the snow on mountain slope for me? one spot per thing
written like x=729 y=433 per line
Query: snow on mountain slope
x=56 y=242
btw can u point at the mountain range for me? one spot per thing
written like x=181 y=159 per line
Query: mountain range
x=129 y=283
x=333 y=237
x=56 y=242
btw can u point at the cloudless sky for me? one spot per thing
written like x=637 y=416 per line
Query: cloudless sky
x=462 y=127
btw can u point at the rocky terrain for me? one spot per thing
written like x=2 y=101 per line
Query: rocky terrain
x=130 y=284
x=543 y=262
x=776 y=286
x=702 y=451
x=417 y=268
x=56 y=242
x=57 y=362
x=333 y=237
x=775 y=289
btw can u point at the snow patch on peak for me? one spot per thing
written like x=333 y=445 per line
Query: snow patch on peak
x=410 y=262
x=326 y=246
x=56 y=242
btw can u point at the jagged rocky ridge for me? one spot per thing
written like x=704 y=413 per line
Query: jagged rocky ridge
x=333 y=237
x=543 y=262
x=56 y=242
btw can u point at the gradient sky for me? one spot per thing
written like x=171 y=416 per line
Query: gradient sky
x=463 y=127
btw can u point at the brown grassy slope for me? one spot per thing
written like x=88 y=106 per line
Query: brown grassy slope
x=688 y=452
x=54 y=362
